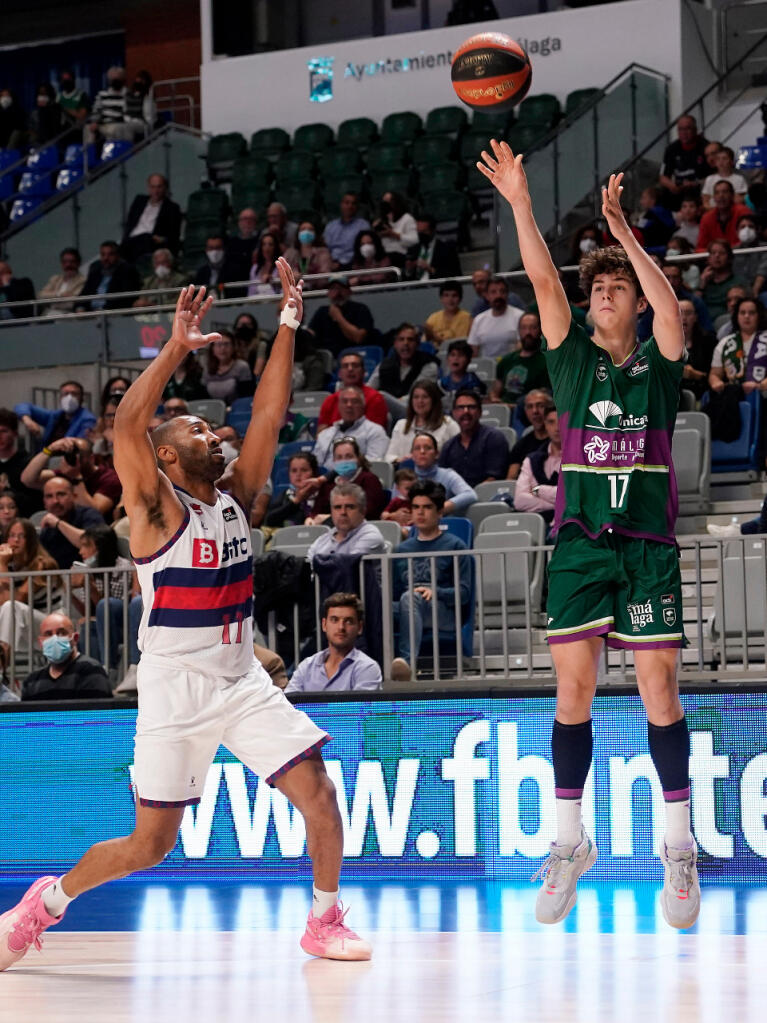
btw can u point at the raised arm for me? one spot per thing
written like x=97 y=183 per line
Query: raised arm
x=505 y=172
x=667 y=321
x=246 y=475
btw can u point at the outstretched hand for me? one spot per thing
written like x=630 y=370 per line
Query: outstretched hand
x=191 y=309
x=504 y=170
x=292 y=293
x=611 y=207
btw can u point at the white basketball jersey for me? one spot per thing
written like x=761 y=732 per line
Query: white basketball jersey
x=197 y=591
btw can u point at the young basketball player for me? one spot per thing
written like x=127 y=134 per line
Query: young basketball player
x=199 y=682
x=614 y=573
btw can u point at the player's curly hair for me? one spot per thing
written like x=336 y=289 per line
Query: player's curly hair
x=609 y=260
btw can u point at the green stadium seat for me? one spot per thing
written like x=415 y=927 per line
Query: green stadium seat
x=339 y=160
x=432 y=149
x=223 y=150
x=336 y=187
x=207 y=204
x=451 y=211
x=401 y=181
x=298 y=198
x=443 y=177
x=523 y=136
x=269 y=143
x=402 y=127
x=297 y=165
x=446 y=121
x=386 y=156
x=578 y=99
x=543 y=110
x=315 y=138
x=196 y=234
x=492 y=123
x=251 y=172
x=252 y=196
x=359 y=132
x=472 y=144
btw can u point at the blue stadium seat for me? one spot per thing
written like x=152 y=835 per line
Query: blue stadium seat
x=742 y=454
x=294 y=447
x=32 y=183
x=372 y=354
x=67 y=177
x=23 y=207
x=6 y=186
x=114 y=149
x=43 y=159
x=8 y=157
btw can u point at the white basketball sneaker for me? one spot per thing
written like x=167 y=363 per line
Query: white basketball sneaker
x=680 y=898
x=560 y=873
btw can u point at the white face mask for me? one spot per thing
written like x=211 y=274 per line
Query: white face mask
x=228 y=451
x=5 y=102
x=587 y=245
x=367 y=251
x=747 y=235
x=162 y=270
x=69 y=404
x=215 y=256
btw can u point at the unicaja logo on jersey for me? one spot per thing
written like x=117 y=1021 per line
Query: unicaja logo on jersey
x=604 y=410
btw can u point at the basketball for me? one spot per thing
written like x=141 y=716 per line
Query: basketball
x=491 y=71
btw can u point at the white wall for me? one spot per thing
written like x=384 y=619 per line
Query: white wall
x=586 y=48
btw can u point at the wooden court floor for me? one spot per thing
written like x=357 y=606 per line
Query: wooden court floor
x=615 y=960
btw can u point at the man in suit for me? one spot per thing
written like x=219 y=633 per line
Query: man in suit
x=109 y=275
x=154 y=221
x=218 y=268
x=431 y=257
x=14 y=289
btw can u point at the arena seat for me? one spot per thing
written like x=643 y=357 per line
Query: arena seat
x=487 y=491
x=74 y=154
x=114 y=149
x=212 y=409
x=339 y=160
x=402 y=181
x=740 y=455
x=207 y=204
x=390 y=531
x=358 y=132
x=691 y=454
x=510 y=434
x=9 y=157
x=496 y=415
x=472 y=144
x=7 y=187
x=579 y=98
x=384 y=471
x=256 y=197
x=516 y=576
x=196 y=233
x=251 y=172
x=300 y=199
x=67 y=177
x=479 y=511
x=32 y=183
x=542 y=110
x=315 y=138
x=524 y=136
x=491 y=123
x=451 y=212
x=44 y=159
x=336 y=187
x=296 y=167
x=371 y=354
x=257 y=541
x=740 y=601
x=387 y=156
x=223 y=150
x=444 y=177
x=269 y=143
x=403 y=126
x=23 y=207
x=432 y=150
x=297 y=539
x=450 y=121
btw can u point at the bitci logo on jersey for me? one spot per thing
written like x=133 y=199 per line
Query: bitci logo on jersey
x=204 y=554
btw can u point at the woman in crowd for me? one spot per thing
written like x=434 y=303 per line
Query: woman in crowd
x=226 y=377
x=396 y=227
x=424 y=413
x=349 y=465
x=295 y=504
x=98 y=549
x=459 y=494
x=738 y=367
x=311 y=256
x=23 y=552
x=9 y=510
x=369 y=254
x=700 y=346
x=186 y=383
x=246 y=338
x=264 y=277
x=47 y=119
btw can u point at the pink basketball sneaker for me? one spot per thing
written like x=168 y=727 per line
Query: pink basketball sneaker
x=328 y=936
x=21 y=927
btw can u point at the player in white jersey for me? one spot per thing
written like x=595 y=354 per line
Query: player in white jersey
x=199 y=682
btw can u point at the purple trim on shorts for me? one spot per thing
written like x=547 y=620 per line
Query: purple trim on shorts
x=568 y=793
x=597 y=630
x=165 y=804
x=677 y=795
x=661 y=644
x=166 y=546
x=297 y=760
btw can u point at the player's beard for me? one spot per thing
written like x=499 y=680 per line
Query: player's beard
x=197 y=465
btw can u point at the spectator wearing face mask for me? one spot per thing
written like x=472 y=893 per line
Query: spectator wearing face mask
x=46 y=120
x=431 y=257
x=13 y=121
x=71 y=419
x=74 y=102
x=68 y=675
x=396 y=227
x=217 y=269
x=68 y=284
x=748 y=266
x=348 y=465
x=369 y=255
x=164 y=275
x=311 y=256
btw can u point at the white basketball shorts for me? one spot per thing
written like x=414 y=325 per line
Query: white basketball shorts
x=183 y=717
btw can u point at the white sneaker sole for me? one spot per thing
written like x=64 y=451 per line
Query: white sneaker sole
x=588 y=863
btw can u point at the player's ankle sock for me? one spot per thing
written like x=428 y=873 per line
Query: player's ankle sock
x=55 y=899
x=323 y=901
x=670 y=752
x=571 y=749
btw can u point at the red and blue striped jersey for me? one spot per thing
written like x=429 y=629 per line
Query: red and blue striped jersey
x=197 y=591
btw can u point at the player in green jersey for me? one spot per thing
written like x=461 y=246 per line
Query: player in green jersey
x=614 y=574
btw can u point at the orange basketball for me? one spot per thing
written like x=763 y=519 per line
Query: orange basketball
x=491 y=71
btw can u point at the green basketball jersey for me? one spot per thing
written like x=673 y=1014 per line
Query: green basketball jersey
x=616 y=424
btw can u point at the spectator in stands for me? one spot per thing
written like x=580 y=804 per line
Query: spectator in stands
x=109 y=275
x=398 y=509
x=186 y=382
x=712 y=148
x=72 y=419
x=350 y=534
x=140 y=108
x=717 y=278
x=723 y=322
x=371 y=437
x=308 y=364
x=263 y=274
x=478 y=453
x=684 y=162
x=225 y=377
x=114 y=390
x=351 y=373
x=673 y=274
x=427 y=499
x=459 y=496
x=736 y=358
x=74 y=102
x=93 y=486
x=655 y=221
x=757 y=525
x=22 y=552
x=523 y=370
x=721 y=221
x=536 y=489
x=240 y=246
x=277 y=222
x=688 y=219
x=480 y=280
x=217 y=270
x=341 y=667
x=174 y=407
x=449 y=322
x=404 y=364
x=295 y=504
x=295 y=426
x=68 y=284
x=46 y=121
x=424 y=414
x=431 y=257
x=537 y=406
x=459 y=377
x=154 y=221
x=342 y=322
x=396 y=227
x=12 y=464
x=369 y=254
x=14 y=289
x=587 y=238
x=102 y=436
x=107 y=119
x=342 y=234
x=69 y=675
x=348 y=465
x=9 y=509
x=247 y=337
x=700 y=344
x=679 y=246
x=311 y=256
x=164 y=275
x=62 y=526
x=98 y=549
x=496 y=331
x=13 y=121
x=748 y=264
x=724 y=160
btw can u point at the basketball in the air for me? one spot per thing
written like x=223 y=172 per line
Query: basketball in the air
x=491 y=71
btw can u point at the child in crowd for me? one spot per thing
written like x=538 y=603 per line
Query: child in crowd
x=679 y=246
x=398 y=508
x=688 y=221
x=450 y=322
x=655 y=222
x=725 y=171
x=458 y=377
